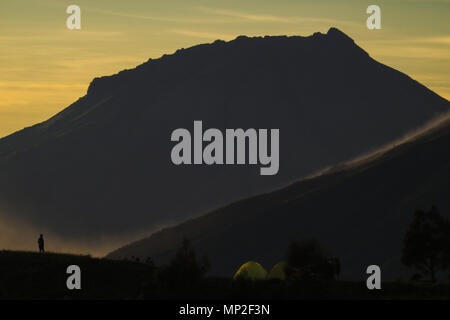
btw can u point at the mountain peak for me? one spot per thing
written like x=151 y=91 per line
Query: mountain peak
x=335 y=33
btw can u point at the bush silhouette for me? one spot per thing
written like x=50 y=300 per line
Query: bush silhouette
x=308 y=260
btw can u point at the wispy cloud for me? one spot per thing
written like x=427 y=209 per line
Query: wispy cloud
x=410 y=51
x=442 y=40
x=245 y=16
x=31 y=85
x=135 y=16
x=157 y=18
x=435 y=40
x=432 y=47
x=203 y=35
x=426 y=1
x=258 y=17
x=52 y=35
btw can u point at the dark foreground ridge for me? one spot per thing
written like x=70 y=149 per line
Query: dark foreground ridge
x=27 y=275
x=30 y=275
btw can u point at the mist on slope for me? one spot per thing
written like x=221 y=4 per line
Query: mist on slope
x=16 y=234
x=20 y=235
x=378 y=152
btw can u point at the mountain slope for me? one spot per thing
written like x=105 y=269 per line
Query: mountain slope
x=102 y=168
x=359 y=211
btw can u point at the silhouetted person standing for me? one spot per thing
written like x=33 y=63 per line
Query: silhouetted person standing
x=41 y=243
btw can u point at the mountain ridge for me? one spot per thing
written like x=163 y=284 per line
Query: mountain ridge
x=101 y=167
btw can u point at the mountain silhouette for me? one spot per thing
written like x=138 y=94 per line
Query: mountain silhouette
x=102 y=167
x=360 y=211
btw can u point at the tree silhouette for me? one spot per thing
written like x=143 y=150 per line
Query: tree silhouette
x=184 y=270
x=149 y=261
x=308 y=260
x=426 y=243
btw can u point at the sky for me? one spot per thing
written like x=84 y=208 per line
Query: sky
x=44 y=66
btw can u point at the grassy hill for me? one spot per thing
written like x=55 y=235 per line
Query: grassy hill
x=29 y=275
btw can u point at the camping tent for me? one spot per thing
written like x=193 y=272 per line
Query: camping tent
x=251 y=271
x=278 y=272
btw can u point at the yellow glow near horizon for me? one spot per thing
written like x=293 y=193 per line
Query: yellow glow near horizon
x=44 y=67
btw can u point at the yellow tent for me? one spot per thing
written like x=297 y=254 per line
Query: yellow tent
x=251 y=271
x=277 y=271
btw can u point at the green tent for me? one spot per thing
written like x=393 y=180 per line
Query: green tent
x=251 y=271
x=277 y=271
